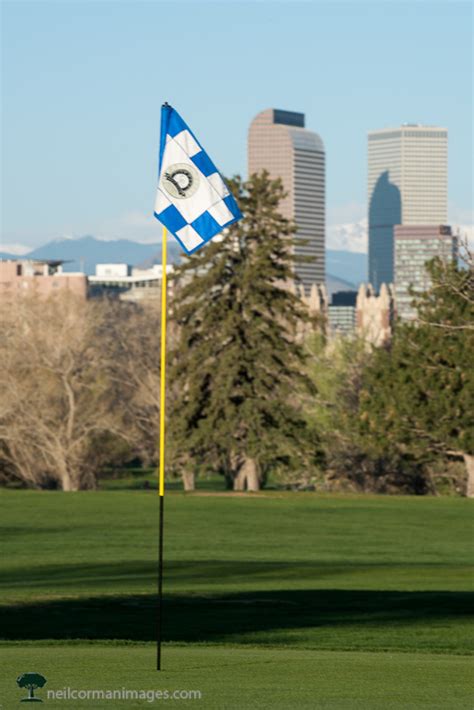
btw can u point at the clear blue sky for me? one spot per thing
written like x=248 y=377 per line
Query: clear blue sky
x=83 y=84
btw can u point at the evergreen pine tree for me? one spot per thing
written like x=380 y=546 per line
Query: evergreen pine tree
x=418 y=394
x=237 y=368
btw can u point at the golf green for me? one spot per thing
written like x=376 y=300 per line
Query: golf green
x=275 y=600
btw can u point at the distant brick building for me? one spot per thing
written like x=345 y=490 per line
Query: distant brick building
x=33 y=277
x=361 y=313
x=375 y=314
x=316 y=301
x=317 y=304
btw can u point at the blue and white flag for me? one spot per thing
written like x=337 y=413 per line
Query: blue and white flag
x=192 y=201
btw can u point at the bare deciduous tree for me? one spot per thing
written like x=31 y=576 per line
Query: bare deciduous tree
x=133 y=345
x=58 y=403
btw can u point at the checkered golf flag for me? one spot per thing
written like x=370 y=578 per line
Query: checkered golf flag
x=192 y=200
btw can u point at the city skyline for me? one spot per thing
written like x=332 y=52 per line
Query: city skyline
x=83 y=85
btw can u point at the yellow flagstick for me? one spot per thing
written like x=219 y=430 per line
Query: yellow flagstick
x=161 y=482
x=161 y=473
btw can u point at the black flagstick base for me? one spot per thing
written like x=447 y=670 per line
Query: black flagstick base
x=160 y=587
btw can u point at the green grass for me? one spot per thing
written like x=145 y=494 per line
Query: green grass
x=273 y=600
x=139 y=478
x=243 y=679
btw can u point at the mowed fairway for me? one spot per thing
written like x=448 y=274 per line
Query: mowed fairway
x=276 y=600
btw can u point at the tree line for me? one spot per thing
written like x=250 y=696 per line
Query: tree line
x=256 y=391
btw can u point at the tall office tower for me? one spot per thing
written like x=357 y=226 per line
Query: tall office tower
x=414 y=246
x=279 y=143
x=407 y=184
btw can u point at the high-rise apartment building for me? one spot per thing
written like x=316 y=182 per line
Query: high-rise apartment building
x=280 y=143
x=414 y=246
x=407 y=184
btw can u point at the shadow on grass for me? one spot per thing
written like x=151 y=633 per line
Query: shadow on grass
x=225 y=616
x=190 y=574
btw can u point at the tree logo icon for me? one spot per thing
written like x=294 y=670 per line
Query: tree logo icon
x=31 y=681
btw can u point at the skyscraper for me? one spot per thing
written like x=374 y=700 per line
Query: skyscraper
x=414 y=246
x=280 y=143
x=407 y=184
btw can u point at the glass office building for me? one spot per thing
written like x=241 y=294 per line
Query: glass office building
x=407 y=184
x=414 y=246
x=279 y=142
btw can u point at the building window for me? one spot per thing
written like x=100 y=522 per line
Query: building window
x=18 y=270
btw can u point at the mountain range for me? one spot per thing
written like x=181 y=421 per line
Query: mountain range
x=83 y=253
x=345 y=269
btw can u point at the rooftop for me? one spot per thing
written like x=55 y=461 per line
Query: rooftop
x=50 y=262
x=408 y=126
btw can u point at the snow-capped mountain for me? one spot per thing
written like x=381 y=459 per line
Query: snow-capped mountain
x=15 y=249
x=354 y=236
x=465 y=232
x=83 y=253
x=348 y=237
x=346 y=251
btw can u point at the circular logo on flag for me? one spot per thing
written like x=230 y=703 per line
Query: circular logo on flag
x=180 y=180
